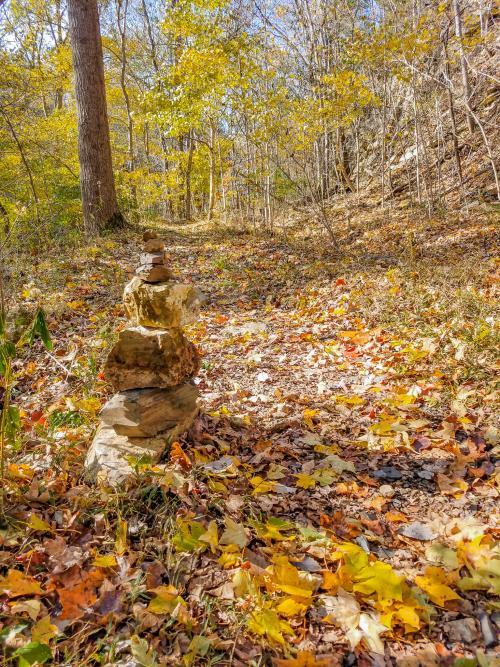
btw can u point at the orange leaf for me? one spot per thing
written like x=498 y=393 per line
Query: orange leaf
x=16 y=584
x=77 y=600
x=178 y=455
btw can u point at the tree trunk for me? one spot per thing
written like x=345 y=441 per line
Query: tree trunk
x=100 y=208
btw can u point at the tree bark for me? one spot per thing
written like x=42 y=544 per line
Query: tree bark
x=100 y=207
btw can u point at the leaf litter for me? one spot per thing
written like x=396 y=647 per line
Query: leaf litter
x=335 y=503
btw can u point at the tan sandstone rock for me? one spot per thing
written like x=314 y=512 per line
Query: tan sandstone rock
x=144 y=357
x=109 y=456
x=154 y=273
x=169 y=305
x=154 y=245
x=140 y=413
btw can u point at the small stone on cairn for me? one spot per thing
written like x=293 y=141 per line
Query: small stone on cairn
x=150 y=366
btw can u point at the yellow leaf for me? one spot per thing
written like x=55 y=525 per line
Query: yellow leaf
x=211 y=536
x=39 y=525
x=30 y=607
x=16 y=584
x=290 y=607
x=107 y=560
x=260 y=485
x=121 y=537
x=267 y=623
x=305 y=481
x=286 y=578
x=304 y=659
x=435 y=583
x=165 y=601
x=308 y=418
x=235 y=533
x=44 y=631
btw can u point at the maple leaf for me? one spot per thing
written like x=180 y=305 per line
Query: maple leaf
x=381 y=579
x=261 y=485
x=305 y=481
x=287 y=578
x=165 y=601
x=304 y=659
x=290 y=607
x=235 y=533
x=77 y=600
x=44 y=631
x=369 y=631
x=435 y=583
x=266 y=622
x=17 y=584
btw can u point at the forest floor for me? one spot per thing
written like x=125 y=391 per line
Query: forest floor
x=336 y=501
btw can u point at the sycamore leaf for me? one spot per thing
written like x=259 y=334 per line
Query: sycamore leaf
x=16 y=583
x=211 y=536
x=369 y=631
x=235 y=533
x=435 y=583
x=267 y=623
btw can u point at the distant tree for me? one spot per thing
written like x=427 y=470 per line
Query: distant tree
x=100 y=207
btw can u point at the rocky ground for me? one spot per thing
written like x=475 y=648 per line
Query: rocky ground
x=335 y=503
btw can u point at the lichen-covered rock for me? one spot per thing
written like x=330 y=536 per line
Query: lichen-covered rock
x=145 y=357
x=169 y=305
x=140 y=413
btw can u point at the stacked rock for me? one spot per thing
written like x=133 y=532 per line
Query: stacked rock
x=150 y=368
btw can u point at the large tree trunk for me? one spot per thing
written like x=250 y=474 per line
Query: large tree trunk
x=100 y=208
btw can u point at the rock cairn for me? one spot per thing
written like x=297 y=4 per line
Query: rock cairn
x=150 y=367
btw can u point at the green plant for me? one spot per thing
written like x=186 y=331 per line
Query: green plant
x=9 y=416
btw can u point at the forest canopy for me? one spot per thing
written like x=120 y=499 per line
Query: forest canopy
x=242 y=108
